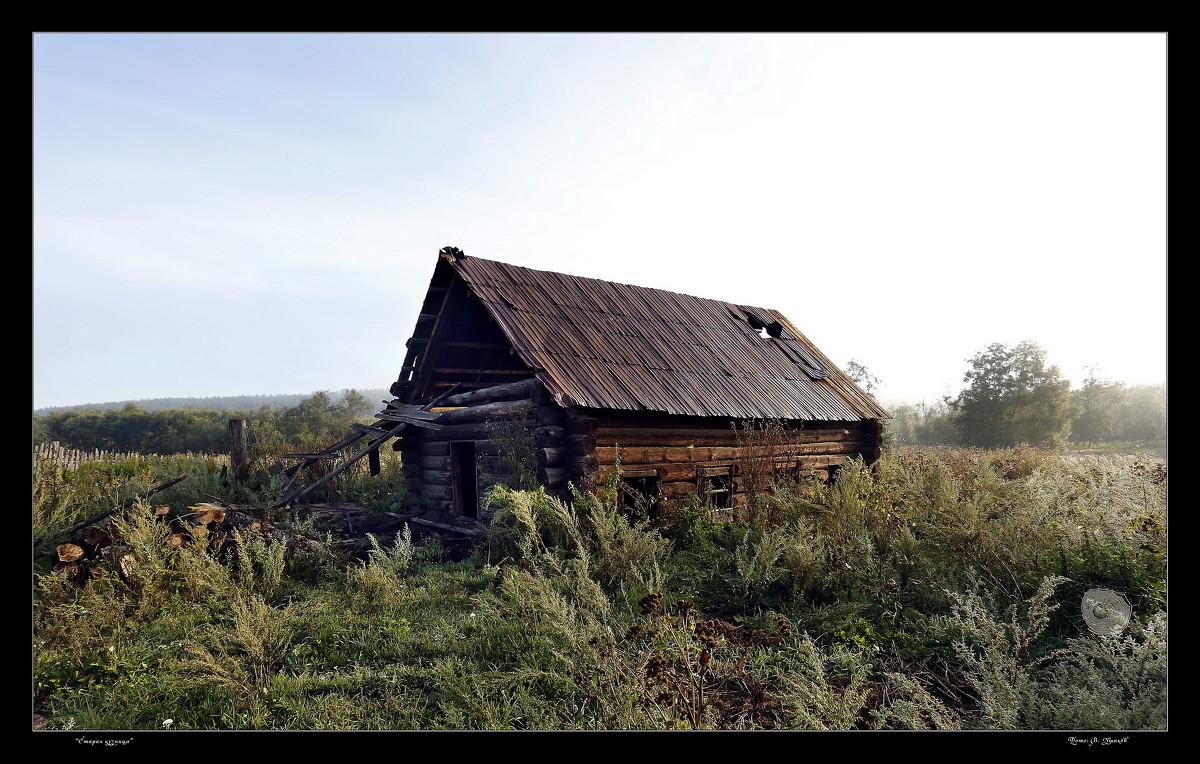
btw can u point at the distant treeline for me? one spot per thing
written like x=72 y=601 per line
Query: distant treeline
x=215 y=403
x=314 y=422
x=1099 y=412
x=1134 y=415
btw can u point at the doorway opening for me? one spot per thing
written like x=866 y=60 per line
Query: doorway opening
x=465 y=478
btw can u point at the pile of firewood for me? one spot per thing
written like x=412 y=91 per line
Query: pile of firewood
x=99 y=547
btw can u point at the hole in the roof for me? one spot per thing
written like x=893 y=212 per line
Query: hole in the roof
x=763 y=333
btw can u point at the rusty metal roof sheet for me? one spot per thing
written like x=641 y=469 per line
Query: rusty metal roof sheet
x=606 y=345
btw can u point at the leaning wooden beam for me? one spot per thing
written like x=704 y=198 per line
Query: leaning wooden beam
x=294 y=470
x=374 y=444
x=416 y=412
x=123 y=505
x=367 y=429
x=388 y=416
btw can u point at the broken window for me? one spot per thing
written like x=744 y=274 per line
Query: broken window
x=639 y=492
x=716 y=486
x=787 y=469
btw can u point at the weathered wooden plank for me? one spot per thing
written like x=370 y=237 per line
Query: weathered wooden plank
x=367 y=429
x=426 y=424
x=374 y=444
x=413 y=412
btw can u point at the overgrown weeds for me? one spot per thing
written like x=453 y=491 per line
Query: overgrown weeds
x=936 y=590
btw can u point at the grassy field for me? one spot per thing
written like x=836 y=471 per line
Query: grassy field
x=941 y=590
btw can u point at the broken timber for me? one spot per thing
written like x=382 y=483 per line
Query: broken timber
x=390 y=422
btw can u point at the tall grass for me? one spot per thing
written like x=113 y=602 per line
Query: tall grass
x=937 y=590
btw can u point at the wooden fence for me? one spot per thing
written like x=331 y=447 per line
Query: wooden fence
x=70 y=458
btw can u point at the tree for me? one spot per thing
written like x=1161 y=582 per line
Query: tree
x=862 y=376
x=1011 y=397
x=924 y=424
x=1097 y=404
x=1143 y=413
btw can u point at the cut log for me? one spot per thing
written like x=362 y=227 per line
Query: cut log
x=505 y=392
x=69 y=552
x=551 y=457
x=68 y=570
x=123 y=505
x=95 y=536
x=549 y=435
x=553 y=477
x=207 y=513
x=127 y=564
x=486 y=412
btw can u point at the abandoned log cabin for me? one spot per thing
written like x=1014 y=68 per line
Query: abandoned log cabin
x=557 y=377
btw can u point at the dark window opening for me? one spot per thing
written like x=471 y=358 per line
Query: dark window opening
x=466 y=478
x=786 y=471
x=716 y=485
x=639 y=495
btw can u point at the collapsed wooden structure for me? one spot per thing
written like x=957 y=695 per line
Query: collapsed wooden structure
x=517 y=370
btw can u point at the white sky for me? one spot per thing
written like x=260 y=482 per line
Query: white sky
x=225 y=214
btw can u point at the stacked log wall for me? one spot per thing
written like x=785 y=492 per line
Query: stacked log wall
x=680 y=450
x=427 y=457
x=573 y=446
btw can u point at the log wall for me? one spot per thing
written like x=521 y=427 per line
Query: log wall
x=573 y=446
x=683 y=451
x=554 y=461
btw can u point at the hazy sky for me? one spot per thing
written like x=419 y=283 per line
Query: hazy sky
x=225 y=214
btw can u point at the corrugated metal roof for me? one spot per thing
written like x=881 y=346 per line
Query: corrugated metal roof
x=606 y=345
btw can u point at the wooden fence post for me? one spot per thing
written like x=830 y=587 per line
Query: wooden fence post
x=239 y=462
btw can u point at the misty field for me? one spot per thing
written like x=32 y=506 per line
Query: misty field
x=940 y=590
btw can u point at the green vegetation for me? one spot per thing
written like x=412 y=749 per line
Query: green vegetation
x=209 y=403
x=135 y=429
x=940 y=590
x=1012 y=397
